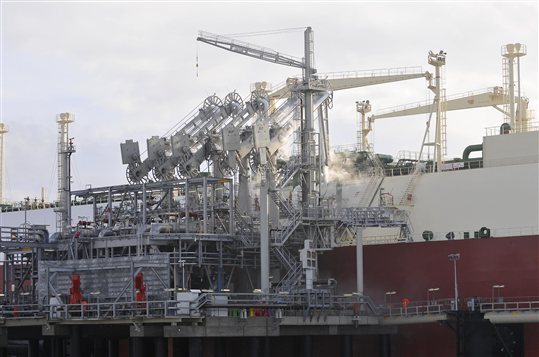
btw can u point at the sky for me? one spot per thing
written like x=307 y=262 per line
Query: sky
x=127 y=70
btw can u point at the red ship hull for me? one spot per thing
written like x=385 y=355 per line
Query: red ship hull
x=410 y=269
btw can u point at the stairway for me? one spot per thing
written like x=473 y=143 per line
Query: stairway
x=406 y=198
x=377 y=177
x=294 y=217
x=294 y=268
x=246 y=231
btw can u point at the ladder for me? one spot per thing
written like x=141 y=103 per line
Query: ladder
x=443 y=123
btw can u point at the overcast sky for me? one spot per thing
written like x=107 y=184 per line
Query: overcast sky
x=128 y=71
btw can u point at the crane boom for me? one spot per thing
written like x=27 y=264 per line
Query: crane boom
x=250 y=50
x=490 y=97
x=348 y=80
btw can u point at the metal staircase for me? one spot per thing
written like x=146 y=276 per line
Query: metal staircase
x=377 y=177
x=288 y=172
x=284 y=208
x=294 y=217
x=294 y=269
x=245 y=230
x=406 y=198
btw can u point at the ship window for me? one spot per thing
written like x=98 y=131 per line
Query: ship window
x=466 y=235
x=476 y=234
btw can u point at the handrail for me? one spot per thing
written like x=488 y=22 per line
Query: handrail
x=202 y=305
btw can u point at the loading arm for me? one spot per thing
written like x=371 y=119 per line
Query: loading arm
x=207 y=118
x=209 y=145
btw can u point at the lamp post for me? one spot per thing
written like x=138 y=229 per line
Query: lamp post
x=389 y=293
x=430 y=290
x=496 y=286
x=454 y=257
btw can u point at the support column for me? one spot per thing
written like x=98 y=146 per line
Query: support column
x=205 y=205
x=112 y=347
x=273 y=209
x=100 y=347
x=3 y=342
x=219 y=345
x=385 y=346
x=254 y=345
x=195 y=347
x=56 y=347
x=220 y=268
x=33 y=348
x=74 y=341
x=160 y=347
x=244 y=195
x=359 y=260
x=180 y=347
x=264 y=235
x=46 y=352
x=307 y=346
x=346 y=346
x=267 y=347
x=136 y=347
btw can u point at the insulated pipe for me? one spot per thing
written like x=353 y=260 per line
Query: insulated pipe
x=469 y=149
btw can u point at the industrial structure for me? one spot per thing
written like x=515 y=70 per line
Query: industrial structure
x=219 y=235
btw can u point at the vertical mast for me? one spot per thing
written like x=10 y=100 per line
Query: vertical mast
x=65 y=149
x=3 y=130
x=307 y=144
x=438 y=60
x=363 y=108
x=509 y=53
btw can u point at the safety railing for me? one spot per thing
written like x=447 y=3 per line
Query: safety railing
x=419 y=308
x=413 y=105
x=371 y=73
x=200 y=305
x=439 y=306
x=474 y=233
x=508 y=304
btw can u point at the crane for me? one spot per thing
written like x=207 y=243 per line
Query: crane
x=308 y=86
x=307 y=89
